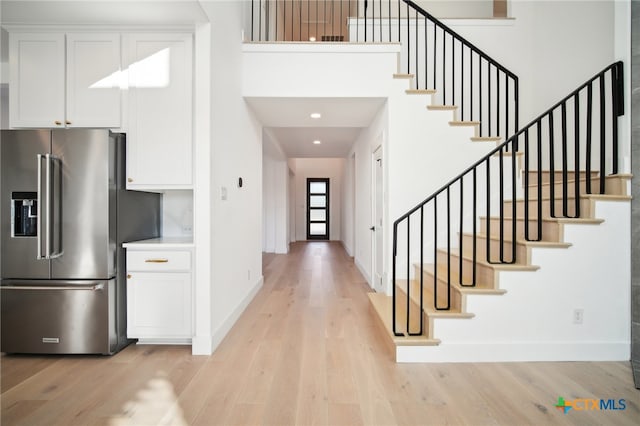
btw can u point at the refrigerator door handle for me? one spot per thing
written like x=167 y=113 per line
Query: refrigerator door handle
x=54 y=205
x=41 y=224
x=95 y=287
x=48 y=200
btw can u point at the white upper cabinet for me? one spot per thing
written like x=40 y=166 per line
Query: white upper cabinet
x=37 y=77
x=93 y=80
x=64 y=80
x=160 y=127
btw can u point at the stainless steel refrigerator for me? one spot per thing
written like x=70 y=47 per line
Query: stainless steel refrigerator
x=64 y=214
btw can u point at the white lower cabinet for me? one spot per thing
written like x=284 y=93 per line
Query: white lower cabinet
x=159 y=295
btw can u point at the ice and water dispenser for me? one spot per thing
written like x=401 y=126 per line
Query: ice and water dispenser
x=24 y=214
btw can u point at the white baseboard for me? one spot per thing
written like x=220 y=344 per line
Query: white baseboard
x=364 y=272
x=222 y=331
x=201 y=345
x=177 y=341
x=515 y=352
x=347 y=249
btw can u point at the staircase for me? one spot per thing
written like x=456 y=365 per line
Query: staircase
x=451 y=264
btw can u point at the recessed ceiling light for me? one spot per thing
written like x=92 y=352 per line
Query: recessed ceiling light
x=312 y=38
x=315 y=115
x=317 y=142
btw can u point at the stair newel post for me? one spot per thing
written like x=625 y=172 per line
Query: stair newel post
x=616 y=82
x=565 y=200
x=603 y=146
x=576 y=152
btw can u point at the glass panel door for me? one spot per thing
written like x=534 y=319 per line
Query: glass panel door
x=317 y=208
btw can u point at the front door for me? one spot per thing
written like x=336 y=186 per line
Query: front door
x=317 y=208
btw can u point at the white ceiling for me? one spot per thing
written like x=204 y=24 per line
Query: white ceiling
x=288 y=121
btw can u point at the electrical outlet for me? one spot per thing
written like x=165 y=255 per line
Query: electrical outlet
x=578 y=316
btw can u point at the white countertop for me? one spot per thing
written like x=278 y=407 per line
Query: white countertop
x=161 y=243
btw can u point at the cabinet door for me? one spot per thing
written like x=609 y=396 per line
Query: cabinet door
x=36 y=83
x=159 y=148
x=93 y=80
x=159 y=305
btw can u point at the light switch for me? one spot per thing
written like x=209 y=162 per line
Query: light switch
x=223 y=193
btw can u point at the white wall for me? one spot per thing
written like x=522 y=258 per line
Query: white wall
x=275 y=193
x=236 y=145
x=361 y=186
x=332 y=168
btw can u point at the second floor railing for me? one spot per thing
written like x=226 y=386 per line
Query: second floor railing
x=440 y=60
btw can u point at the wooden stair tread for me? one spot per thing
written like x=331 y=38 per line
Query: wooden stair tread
x=486 y=139
x=401 y=76
x=382 y=305
x=420 y=91
x=442 y=107
x=495 y=266
x=583 y=220
x=429 y=310
x=601 y=197
x=540 y=244
x=464 y=123
x=480 y=288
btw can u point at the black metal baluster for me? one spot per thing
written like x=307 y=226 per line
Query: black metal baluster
x=461 y=228
x=576 y=150
x=589 y=130
x=475 y=233
x=501 y=203
x=603 y=148
x=426 y=56
x=461 y=82
x=498 y=104
x=389 y=20
x=421 y=267
x=539 y=147
x=453 y=71
x=488 y=233
x=526 y=187
x=565 y=178
x=417 y=78
x=449 y=248
x=552 y=189
x=444 y=67
x=435 y=60
x=471 y=88
x=615 y=94
x=514 y=206
x=380 y=24
x=506 y=110
x=408 y=273
x=252 y=21
x=408 y=44
x=489 y=101
x=394 y=275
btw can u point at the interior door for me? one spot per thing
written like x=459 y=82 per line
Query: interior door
x=377 y=228
x=318 y=208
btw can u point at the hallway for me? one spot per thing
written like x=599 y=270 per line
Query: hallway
x=306 y=351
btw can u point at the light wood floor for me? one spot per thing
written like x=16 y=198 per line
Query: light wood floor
x=306 y=351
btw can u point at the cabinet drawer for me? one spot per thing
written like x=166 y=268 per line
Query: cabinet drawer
x=158 y=260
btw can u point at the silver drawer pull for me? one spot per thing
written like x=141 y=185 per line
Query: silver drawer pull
x=157 y=261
